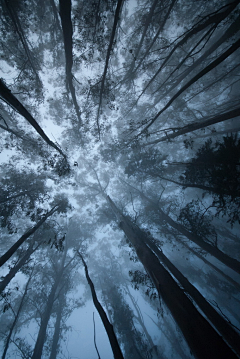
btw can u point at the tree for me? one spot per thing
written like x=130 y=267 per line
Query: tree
x=169 y=291
x=107 y=325
x=139 y=100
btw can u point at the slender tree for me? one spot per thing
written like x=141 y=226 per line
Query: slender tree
x=107 y=325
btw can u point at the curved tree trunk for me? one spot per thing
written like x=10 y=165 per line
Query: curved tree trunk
x=37 y=353
x=107 y=325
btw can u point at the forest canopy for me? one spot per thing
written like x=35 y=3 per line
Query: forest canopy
x=120 y=179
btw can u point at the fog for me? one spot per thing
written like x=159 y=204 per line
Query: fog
x=120 y=179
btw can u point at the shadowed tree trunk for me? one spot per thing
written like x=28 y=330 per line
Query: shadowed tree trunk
x=213 y=250
x=161 y=27
x=202 y=73
x=57 y=327
x=37 y=353
x=65 y=14
x=203 y=340
x=107 y=325
x=16 y=318
x=13 y=249
x=116 y=20
x=17 y=25
x=179 y=131
x=13 y=271
x=223 y=327
x=9 y=98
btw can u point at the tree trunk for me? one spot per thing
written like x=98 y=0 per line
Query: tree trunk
x=116 y=20
x=202 y=73
x=197 y=125
x=203 y=340
x=215 y=18
x=222 y=326
x=161 y=27
x=13 y=271
x=37 y=353
x=140 y=320
x=15 y=319
x=20 y=32
x=8 y=97
x=13 y=249
x=57 y=328
x=195 y=252
x=65 y=15
x=107 y=325
x=224 y=38
x=214 y=251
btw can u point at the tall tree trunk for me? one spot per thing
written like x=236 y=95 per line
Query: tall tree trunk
x=9 y=98
x=145 y=28
x=13 y=271
x=65 y=15
x=231 y=31
x=37 y=353
x=219 y=271
x=203 y=340
x=140 y=320
x=214 y=18
x=223 y=327
x=16 y=319
x=214 y=251
x=202 y=73
x=17 y=25
x=161 y=27
x=107 y=325
x=116 y=20
x=57 y=328
x=26 y=235
x=196 y=126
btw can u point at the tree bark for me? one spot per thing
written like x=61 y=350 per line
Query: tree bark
x=17 y=25
x=13 y=271
x=214 y=251
x=202 y=339
x=214 y=18
x=37 y=353
x=202 y=73
x=26 y=235
x=8 y=97
x=197 y=125
x=223 y=327
x=116 y=19
x=161 y=27
x=16 y=319
x=57 y=328
x=65 y=15
x=107 y=325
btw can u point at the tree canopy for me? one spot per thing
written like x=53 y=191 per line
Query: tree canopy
x=120 y=179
